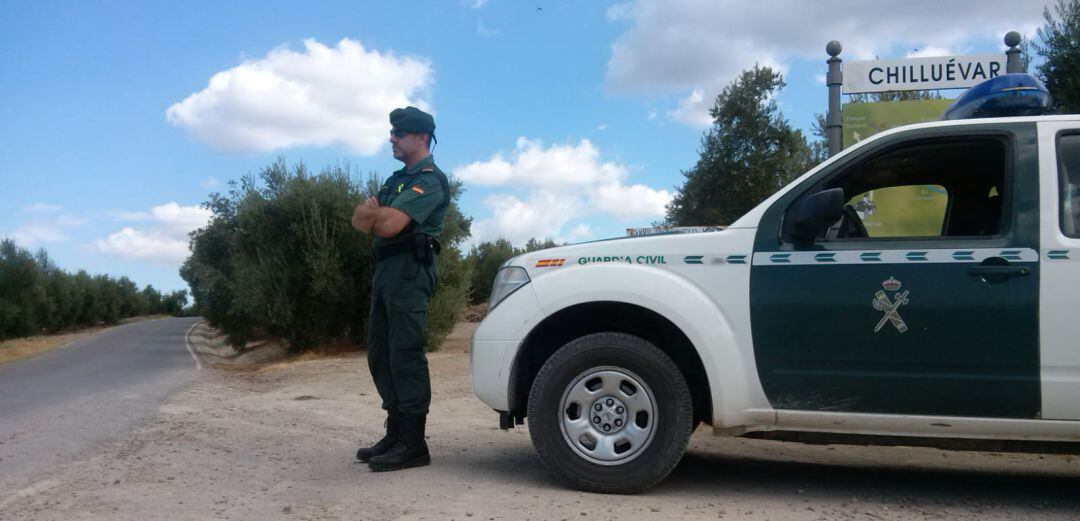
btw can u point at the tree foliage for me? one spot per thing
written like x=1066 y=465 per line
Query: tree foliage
x=38 y=297
x=1059 y=46
x=279 y=259
x=486 y=258
x=749 y=153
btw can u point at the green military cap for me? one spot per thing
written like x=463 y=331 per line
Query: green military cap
x=412 y=119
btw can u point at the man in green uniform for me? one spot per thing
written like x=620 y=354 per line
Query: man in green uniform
x=406 y=218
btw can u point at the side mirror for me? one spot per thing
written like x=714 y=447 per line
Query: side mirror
x=816 y=214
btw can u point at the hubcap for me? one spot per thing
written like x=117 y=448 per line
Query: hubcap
x=608 y=415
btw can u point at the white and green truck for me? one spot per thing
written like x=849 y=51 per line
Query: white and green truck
x=950 y=320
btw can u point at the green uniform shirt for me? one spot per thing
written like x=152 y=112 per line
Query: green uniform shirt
x=418 y=192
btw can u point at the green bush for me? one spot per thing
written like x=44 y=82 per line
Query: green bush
x=486 y=258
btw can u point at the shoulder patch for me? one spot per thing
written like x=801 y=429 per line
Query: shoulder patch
x=418 y=189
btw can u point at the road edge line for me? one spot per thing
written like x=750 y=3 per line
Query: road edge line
x=187 y=343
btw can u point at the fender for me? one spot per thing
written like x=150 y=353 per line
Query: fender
x=710 y=326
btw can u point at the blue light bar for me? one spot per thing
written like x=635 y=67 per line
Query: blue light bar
x=1017 y=94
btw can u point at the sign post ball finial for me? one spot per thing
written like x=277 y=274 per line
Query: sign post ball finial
x=833 y=48
x=1012 y=38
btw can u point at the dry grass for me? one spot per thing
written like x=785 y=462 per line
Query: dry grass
x=21 y=348
x=457 y=341
x=335 y=350
x=473 y=313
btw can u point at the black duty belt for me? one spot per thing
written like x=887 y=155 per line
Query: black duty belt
x=422 y=246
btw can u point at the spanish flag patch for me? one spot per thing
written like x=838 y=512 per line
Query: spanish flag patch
x=418 y=190
x=550 y=263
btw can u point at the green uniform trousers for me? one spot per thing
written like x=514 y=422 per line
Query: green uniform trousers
x=396 y=341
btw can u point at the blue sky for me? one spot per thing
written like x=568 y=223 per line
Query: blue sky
x=570 y=120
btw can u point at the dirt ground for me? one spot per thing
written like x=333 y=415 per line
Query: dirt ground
x=278 y=443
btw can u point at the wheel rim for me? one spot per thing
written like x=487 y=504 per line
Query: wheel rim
x=608 y=415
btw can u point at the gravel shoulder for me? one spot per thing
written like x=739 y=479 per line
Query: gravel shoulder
x=278 y=442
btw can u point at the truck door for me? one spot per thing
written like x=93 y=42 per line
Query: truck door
x=923 y=298
x=1059 y=157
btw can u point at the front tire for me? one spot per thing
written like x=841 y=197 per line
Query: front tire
x=610 y=413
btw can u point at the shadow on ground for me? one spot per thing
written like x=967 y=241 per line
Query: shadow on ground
x=1030 y=488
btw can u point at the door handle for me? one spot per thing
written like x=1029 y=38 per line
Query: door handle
x=998 y=271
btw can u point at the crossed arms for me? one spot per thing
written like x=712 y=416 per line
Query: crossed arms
x=383 y=221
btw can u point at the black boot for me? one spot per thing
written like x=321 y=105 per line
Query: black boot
x=393 y=433
x=410 y=450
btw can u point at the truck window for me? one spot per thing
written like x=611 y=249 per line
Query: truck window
x=1069 y=166
x=925 y=188
x=902 y=211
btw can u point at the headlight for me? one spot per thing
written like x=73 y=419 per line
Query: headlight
x=507 y=281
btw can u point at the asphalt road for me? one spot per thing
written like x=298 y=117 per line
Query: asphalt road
x=61 y=404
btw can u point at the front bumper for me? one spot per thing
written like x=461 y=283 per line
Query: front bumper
x=495 y=345
x=490 y=365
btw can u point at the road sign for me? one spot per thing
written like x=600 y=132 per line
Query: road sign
x=942 y=72
x=862 y=120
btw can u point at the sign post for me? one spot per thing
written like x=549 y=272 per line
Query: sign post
x=1012 y=39
x=835 y=79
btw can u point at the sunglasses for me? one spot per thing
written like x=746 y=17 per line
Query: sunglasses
x=398 y=133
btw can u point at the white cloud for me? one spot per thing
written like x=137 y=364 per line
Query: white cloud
x=45 y=223
x=682 y=46
x=210 y=182
x=474 y=4
x=630 y=202
x=693 y=110
x=321 y=96
x=535 y=165
x=132 y=244
x=548 y=186
x=581 y=232
x=35 y=234
x=601 y=127
x=541 y=215
x=495 y=171
x=164 y=242
x=180 y=219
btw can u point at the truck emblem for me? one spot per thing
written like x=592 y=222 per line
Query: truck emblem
x=889 y=306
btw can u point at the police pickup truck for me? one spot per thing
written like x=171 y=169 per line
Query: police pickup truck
x=924 y=283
